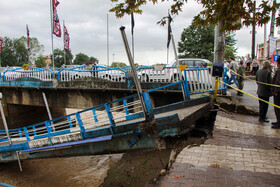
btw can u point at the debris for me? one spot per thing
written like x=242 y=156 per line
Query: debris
x=177 y=177
x=162 y=172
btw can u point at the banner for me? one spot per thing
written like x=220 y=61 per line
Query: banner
x=56 y=24
x=1 y=43
x=66 y=39
x=272 y=45
x=28 y=39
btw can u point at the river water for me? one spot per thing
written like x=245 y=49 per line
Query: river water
x=74 y=171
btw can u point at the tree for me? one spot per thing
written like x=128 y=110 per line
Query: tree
x=81 y=58
x=14 y=53
x=198 y=42
x=59 y=57
x=40 y=62
x=93 y=59
x=117 y=64
x=36 y=49
x=225 y=15
x=229 y=13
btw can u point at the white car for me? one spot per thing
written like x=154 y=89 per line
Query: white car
x=169 y=72
x=115 y=75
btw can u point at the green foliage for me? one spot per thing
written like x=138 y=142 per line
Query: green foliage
x=93 y=59
x=36 y=49
x=81 y=58
x=14 y=52
x=229 y=12
x=198 y=42
x=40 y=62
x=59 y=57
x=117 y=64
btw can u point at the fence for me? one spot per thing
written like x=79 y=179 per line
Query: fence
x=199 y=80
x=32 y=72
x=112 y=74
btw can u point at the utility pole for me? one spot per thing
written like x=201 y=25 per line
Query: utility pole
x=271 y=34
x=253 y=32
x=265 y=42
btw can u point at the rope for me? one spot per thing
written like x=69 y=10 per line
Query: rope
x=256 y=81
x=251 y=95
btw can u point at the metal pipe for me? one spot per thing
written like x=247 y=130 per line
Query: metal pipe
x=4 y=120
x=137 y=83
x=47 y=105
x=178 y=65
x=19 y=163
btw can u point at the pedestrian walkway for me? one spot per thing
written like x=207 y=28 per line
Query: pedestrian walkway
x=239 y=154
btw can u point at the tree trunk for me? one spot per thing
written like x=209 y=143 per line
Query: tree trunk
x=219 y=46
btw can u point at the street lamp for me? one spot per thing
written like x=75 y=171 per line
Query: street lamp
x=113 y=57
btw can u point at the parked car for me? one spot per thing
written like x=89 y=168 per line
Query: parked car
x=114 y=74
x=169 y=72
x=192 y=62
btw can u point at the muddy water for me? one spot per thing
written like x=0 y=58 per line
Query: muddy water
x=74 y=171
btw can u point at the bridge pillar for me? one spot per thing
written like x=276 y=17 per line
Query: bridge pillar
x=24 y=115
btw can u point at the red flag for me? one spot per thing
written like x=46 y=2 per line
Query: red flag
x=56 y=24
x=66 y=39
x=1 y=43
x=28 y=39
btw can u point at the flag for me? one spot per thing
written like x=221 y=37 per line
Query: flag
x=1 y=43
x=56 y=24
x=28 y=39
x=66 y=39
x=132 y=23
x=169 y=30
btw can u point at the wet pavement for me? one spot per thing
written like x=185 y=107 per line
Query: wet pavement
x=240 y=153
x=250 y=87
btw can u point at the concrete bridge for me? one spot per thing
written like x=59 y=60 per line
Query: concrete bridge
x=118 y=126
x=81 y=89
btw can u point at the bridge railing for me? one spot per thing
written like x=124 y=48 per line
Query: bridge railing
x=32 y=72
x=112 y=74
x=106 y=115
x=79 y=124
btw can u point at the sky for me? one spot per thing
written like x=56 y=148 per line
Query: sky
x=86 y=22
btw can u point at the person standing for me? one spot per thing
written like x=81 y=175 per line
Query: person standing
x=276 y=95
x=240 y=77
x=263 y=77
x=233 y=67
x=248 y=64
x=255 y=66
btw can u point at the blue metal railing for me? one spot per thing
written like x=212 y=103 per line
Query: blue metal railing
x=108 y=115
x=33 y=72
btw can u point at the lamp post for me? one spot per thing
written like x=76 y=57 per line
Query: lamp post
x=113 y=57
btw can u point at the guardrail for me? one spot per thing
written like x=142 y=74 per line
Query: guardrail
x=79 y=125
x=198 y=79
x=112 y=74
x=32 y=72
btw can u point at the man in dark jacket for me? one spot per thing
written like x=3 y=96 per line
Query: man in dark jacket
x=276 y=95
x=263 y=76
